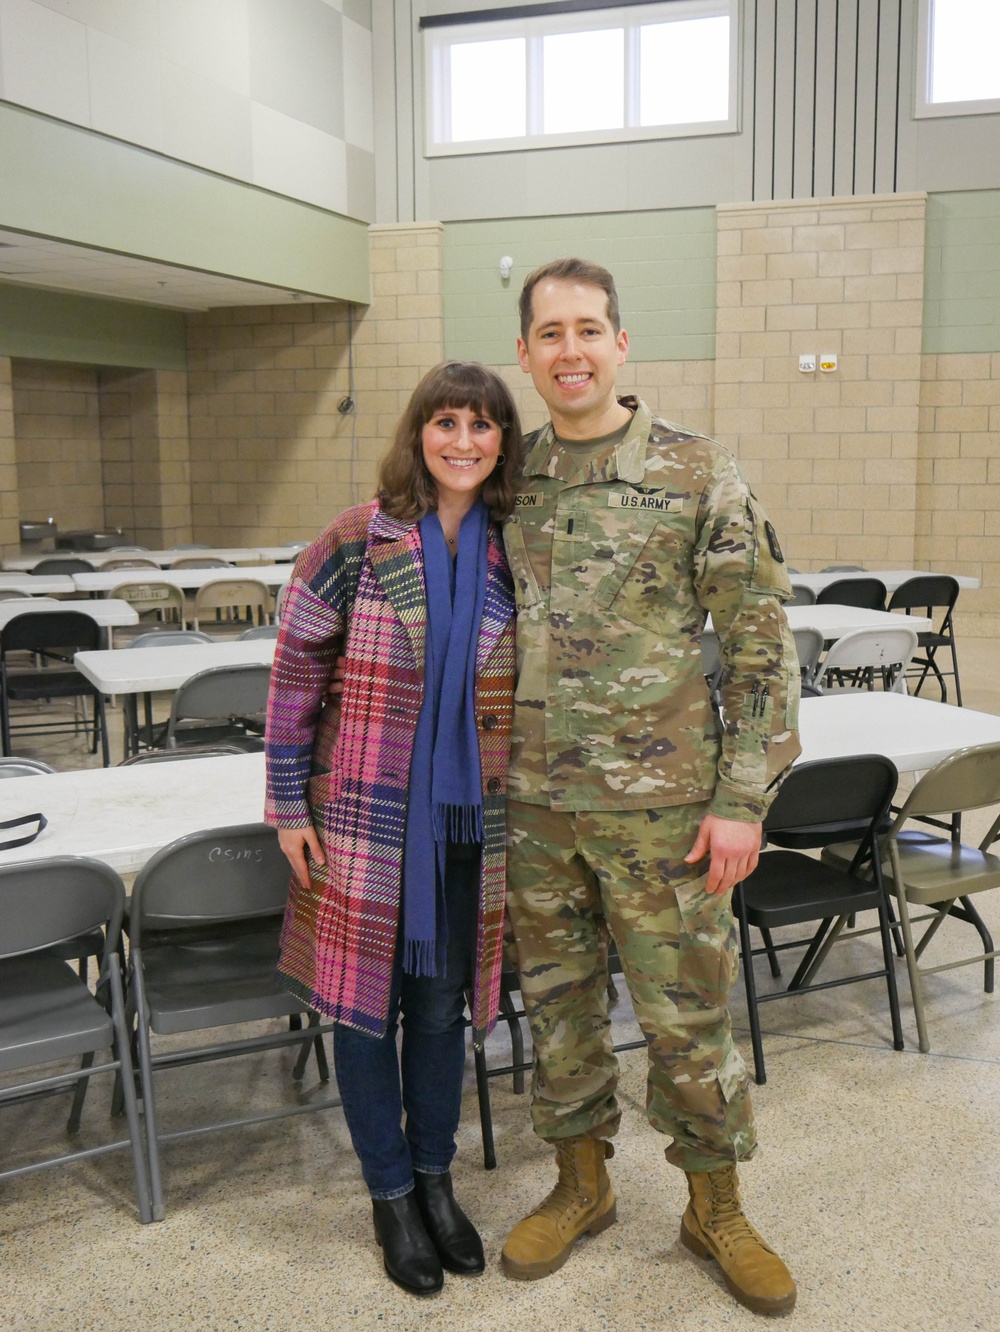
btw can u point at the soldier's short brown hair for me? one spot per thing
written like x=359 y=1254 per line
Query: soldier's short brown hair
x=406 y=490
x=569 y=270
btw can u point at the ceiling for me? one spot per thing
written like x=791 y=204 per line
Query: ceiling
x=38 y=262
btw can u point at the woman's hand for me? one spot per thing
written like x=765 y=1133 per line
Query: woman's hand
x=297 y=843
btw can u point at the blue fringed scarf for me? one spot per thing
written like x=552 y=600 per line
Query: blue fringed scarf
x=445 y=801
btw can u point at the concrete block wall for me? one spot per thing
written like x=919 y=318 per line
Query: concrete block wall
x=272 y=458
x=958 y=478
x=833 y=456
x=146 y=455
x=57 y=431
x=9 y=515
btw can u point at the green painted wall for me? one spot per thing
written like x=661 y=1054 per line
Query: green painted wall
x=58 y=180
x=59 y=326
x=962 y=274
x=663 y=262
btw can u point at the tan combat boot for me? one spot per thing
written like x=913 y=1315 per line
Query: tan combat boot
x=713 y=1226
x=582 y=1203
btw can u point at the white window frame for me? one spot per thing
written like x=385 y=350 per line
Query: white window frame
x=437 y=43
x=924 y=108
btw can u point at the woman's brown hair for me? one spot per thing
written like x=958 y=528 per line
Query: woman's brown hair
x=406 y=490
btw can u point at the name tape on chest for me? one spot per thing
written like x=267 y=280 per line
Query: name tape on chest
x=633 y=500
x=527 y=501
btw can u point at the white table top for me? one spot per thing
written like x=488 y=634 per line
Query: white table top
x=146 y=669
x=124 y=815
x=915 y=733
x=164 y=558
x=274 y=575
x=110 y=612
x=42 y=586
x=892 y=578
x=836 y=621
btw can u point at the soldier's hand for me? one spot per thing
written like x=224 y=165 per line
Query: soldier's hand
x=296 y=844
x=336 y=686
x=734 y=848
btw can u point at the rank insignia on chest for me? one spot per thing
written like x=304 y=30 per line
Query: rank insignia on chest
x=634 y=499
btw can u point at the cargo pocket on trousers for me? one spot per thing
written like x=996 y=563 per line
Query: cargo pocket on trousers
x=707 y=959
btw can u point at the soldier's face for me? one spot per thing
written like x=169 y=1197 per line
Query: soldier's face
x=572 y=353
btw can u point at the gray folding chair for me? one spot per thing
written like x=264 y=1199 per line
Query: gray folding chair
x=941 y=874
x=189 y=752
x=130 y=704
x=82 y=946
x=866 y=651
x=931 y=592
x=23 y=767
x=223 y=703
x=801 y=596
x=48 y=1014
x=204 y=927
x=867 y=593
x=260 y=631
x=809 y=649
x=54 y=637
x=62 y=564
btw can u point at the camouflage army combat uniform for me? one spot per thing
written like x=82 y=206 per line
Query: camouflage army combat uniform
x=618 y=553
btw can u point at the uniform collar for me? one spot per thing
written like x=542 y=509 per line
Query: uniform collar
x=625 y=461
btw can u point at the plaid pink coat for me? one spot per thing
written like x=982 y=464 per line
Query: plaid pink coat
x=346 y=768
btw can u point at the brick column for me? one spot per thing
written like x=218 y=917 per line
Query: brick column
x=10 y=537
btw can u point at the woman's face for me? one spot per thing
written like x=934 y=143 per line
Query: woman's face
x=461 y=448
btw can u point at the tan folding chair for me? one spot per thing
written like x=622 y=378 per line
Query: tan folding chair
x=231 y=605
x=153 y=601
x=926 y=870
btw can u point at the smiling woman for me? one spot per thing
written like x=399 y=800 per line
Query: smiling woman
x=390 y=803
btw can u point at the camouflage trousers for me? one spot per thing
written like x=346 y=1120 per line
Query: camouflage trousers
x=567 y=874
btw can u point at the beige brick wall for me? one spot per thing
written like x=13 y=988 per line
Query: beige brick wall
x=272 y=460
x=146 y=455
x=57 y=431
x=9 y=508
x=832 y=456
x=958 y=480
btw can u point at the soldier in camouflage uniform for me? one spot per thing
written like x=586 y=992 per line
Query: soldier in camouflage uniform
x=626 y=803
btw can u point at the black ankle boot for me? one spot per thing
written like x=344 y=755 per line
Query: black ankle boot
x=452 y=1233
x=409 y=1256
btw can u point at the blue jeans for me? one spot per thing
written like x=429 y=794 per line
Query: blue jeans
x=433 y=1058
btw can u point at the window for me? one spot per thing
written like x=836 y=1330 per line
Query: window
x=958 y=73
x=533 y=79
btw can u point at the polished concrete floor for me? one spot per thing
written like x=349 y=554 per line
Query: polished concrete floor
x=878 y=1180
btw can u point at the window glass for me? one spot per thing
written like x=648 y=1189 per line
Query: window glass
x=488 y=90
x=965 y=51
x=516 y=80
x=583 y=81
x=684 y=71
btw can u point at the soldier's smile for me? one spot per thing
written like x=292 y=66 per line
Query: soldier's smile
x=572 y=354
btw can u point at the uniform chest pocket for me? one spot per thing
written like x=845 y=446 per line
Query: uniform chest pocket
x=526 y=590
x=650 y=577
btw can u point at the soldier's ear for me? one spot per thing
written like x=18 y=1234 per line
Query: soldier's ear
x=522 y=356
x=622 y=344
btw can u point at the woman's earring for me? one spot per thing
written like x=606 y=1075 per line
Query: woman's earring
x=501 y=459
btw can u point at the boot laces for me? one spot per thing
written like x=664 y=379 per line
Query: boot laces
x=569 y=1192
x=726 y=1216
